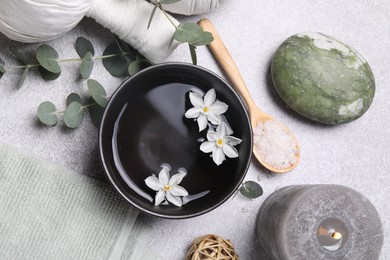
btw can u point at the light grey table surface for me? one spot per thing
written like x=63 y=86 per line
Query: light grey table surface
x=356 y=154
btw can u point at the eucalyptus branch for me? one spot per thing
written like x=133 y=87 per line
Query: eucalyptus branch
x=190 y=33
x=119 y=59
x=8 y=68
x=73 y=115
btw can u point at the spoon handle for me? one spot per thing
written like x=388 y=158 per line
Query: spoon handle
x=224 y=58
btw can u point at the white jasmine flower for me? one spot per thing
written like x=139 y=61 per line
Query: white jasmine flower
x=220 y=144
x=167 y=187
x=206 y=109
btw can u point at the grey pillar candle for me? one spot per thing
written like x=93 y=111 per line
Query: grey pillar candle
x=309 y=222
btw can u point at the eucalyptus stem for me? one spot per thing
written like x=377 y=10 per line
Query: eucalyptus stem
x=65 y=60
x=95 y=58
x=69 y=60
x=83 y=107
x=166 y=15
x=21 y=66
x=89 y=105
x=109 y=56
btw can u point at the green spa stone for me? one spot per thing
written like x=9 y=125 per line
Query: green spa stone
x=322 y=78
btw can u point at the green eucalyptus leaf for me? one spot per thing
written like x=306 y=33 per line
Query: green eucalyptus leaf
x=193 y=54
x=48 y=58
x=23 y=77
x=251 y=190
x=123 y=46
x=2 y=68
x=152 y=14
x=128 y=52
x=97 y=92
x=171 y=41
x=86 y=65
x=96 y=113
x=138 y=65
x=167 y=2
x=74 y=115
x=118 y=65
x=47 y=113
x=47 y=75
x=73 y=97
x=19 y=56
x=187 y=32
x=204 y=39
x=83 y=46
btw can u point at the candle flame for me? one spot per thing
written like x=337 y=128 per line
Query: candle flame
x=336 y=235
x=330 y=232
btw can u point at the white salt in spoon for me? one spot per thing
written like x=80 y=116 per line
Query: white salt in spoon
x=275 y=146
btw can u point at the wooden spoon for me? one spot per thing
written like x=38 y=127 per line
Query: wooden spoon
x=256 y=115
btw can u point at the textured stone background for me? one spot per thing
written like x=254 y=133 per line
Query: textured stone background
x=355 y=154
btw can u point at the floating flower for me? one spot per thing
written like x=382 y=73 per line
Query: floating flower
x=206 y=109
x=167 y=187
x=220 y=143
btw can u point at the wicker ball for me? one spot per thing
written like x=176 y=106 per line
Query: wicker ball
x=211 y=247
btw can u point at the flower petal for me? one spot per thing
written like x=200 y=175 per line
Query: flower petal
x=177 y=178
x=196 y=100
x=214 y=119
x=230 y=151
x=193 y=112
x=232 y=140
x=218 y=107
x=160 y=196
x=174 y=199
x=212 y=136
x=208 y=147
x=163 y=176
x=229 y=130
x=202 y=122
x=153 y=183
x=209 y=98
x=178 y=191
x=218 y=156
x=222 y=130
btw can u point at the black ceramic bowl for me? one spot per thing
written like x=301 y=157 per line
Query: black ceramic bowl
x=144 y=127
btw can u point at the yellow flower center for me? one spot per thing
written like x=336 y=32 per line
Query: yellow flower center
x=219 y=142
x=166 y=187
x=205 y=109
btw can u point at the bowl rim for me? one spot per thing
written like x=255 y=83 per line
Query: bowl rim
x=108 y=174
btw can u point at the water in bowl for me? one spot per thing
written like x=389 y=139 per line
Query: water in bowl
x=151 y=130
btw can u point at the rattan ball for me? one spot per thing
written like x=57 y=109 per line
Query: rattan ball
x=211 y=247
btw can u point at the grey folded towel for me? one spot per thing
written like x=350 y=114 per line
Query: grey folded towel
x=47 y=212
